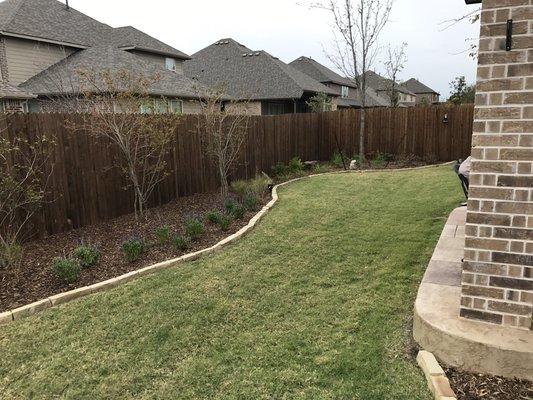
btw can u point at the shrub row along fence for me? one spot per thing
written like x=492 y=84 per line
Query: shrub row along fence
x=87 y=187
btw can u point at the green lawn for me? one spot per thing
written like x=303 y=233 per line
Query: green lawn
x=314 y=304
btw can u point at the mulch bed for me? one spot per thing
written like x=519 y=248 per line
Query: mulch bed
x=34 y=280
x=468 y=386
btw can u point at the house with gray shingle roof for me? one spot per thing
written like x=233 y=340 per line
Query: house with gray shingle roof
x=346 y=89
x=424 y=94
x=384 y=86
x=45 y=43
x=267 y=84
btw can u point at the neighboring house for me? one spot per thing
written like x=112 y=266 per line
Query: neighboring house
x=345 y=88
x=267 y=85
x=424 y=94
x=383 y=87
x=44 y=44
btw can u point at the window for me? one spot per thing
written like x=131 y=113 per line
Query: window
x=162 y=106
x=33 y=106
x=345 y=90
x=175 y=106
x=147 y=108
x=170 y=64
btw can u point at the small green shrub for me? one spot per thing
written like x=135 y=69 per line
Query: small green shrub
x=320 y=169
x=250 y=202
x=214 y=217
x=336 y=159
x=133 y=249
x=194 y=228
x=66 y=269
x=87 y=255
x=180 y=242
x=10 y=254
x=280 y=169
x=234 y=209
x=381 y=160
x=296 y=165
x=225 y=222
x=257 y=187
x=163 y=234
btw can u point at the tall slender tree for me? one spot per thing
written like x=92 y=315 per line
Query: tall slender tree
x=396 y=59
x=357 y=27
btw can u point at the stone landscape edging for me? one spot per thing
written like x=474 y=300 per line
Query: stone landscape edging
x=436 y=378
x=65 y=297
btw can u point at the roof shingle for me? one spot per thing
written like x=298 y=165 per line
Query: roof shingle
x=51 y=20
x=64 y=77
x=320 y=72
x=415 y=86
x=247 y=74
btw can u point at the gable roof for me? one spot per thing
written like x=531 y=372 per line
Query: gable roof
x=63 y=77
x=51 y=20
x=248 y=74
x=380 y=83
x=13 y=92
x=320 y=72
x=128 y=37
x=415 y=86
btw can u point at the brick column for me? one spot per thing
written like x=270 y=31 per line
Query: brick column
x=498 y=265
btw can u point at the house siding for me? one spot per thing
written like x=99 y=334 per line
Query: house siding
x=26 y=58
x=249 y=108
x=191 y=107
x=431 y=98
x=498 y=263
x=352 y=93
x=159 y=60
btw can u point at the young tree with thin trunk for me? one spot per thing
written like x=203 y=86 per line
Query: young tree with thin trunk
x=357 y=25
x=223 y=127
x=119 y=107
x=396 y=59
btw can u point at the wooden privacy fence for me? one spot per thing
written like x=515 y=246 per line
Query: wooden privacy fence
x=86 y=186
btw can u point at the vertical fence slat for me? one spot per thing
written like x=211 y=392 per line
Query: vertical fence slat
x=87 y=187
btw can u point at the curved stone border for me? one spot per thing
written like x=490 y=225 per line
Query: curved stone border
x=52 y=301
x=438 y=383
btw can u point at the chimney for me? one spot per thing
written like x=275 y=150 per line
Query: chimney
x=66 y=4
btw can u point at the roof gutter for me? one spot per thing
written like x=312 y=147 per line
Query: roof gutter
x=472 y=1
x=40 y=39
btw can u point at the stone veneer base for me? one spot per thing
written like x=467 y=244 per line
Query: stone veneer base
x=55 y=300
x=469 y=345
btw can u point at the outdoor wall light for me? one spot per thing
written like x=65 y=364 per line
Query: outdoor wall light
x=445 y=120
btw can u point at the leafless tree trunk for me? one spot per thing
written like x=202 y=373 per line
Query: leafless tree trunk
x=396 y=59
x=357 y=27
x=223 y=132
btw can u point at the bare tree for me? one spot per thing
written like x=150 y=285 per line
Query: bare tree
x=396 y=59
x=357 y=26
x=223 y=127
x=25 y=171
x=472 y=17
x=119 y=107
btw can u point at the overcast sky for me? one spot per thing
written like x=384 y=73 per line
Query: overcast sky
x=287 y=30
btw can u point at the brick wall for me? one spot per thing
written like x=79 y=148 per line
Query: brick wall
x=498 y=265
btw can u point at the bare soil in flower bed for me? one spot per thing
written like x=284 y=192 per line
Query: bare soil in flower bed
x=468 y=386
x=34 y=279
